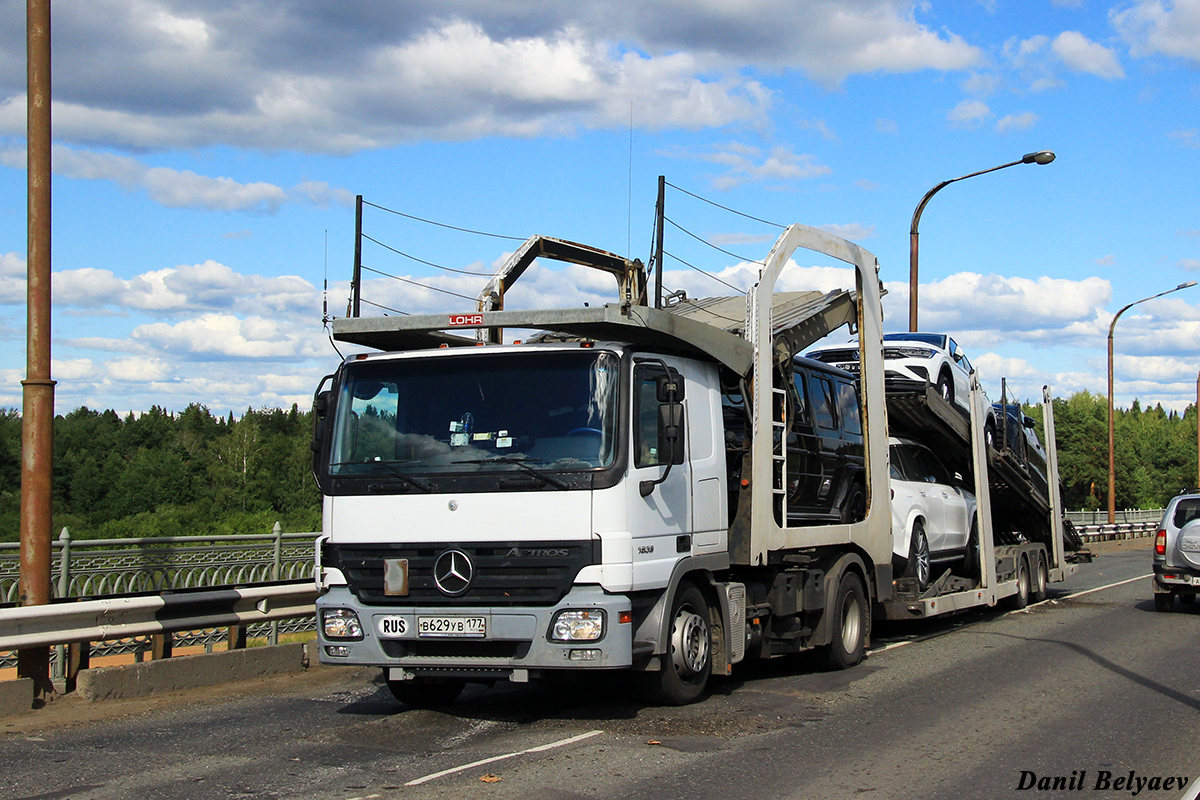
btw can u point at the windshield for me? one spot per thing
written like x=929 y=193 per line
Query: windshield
x=507 y=412
x=935 y=339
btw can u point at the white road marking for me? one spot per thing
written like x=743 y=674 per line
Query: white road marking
x=481 y=762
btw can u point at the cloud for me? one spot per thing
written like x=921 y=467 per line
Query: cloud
x=969 y=113
x=747 y=164
x=1150 y=27
x=173 y=291
x=1188 y=138
x=225 y=336
x=181 y=188
x=1081 y=54
x=318 y=77
x=853 y=232
x=1017 y=122
x=887 y=126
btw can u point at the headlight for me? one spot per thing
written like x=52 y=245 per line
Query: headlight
x=584 y=625
x=341 y=623
x=908 y=352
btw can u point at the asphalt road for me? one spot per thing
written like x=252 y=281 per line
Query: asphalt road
x=1085 y=688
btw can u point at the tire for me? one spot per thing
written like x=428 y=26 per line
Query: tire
x=945 y=388
x=854 y=508
x=1041 y=577
x=428 y=693
x=688 y=662
x=1163 y=602
x=1021 y=599
x=1187 y=599
x=850 y=625
x=989 y=435
x=918 y=566
x=971 y=567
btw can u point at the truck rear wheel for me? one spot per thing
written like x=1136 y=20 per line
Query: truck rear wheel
x=429 y=693
x=1163 y=602
x=1021 y=598
x=688 y=661
x=1041 y=578
x=849 y=625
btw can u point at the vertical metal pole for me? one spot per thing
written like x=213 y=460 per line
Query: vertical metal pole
x=276 y=569
x=37 y=419
x=1198 y=429
x=1112 y=460
x=659 y=215
x=356 y=281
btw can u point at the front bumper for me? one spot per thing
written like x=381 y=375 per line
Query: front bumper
x=1176 y=580
x=516 y=643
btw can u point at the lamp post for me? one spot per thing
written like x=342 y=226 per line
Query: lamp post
x=1040 y=157
x=1112 y=471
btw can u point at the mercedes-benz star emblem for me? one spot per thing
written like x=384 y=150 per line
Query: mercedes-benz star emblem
x=453 y=572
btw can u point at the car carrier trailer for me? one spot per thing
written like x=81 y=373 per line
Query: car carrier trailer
x=508 y=511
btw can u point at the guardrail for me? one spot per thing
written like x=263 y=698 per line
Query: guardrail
x=127 y=617
x=90 y=569
x=1120 y=530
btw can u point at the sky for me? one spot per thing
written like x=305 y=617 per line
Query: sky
x=207 y=155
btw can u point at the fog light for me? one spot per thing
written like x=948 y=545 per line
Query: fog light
x=337 y=650
x=583 y=625
x=341 y=623
x=585 y=655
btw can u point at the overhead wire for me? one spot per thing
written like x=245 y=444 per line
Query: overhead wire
x=423 y=261
x=723 y=208
x=442 y=224
x=415 y=283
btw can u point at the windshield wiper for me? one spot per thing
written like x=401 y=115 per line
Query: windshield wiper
x=391 y=468
x=522 y=463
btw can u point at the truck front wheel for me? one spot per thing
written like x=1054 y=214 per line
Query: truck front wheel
x=849 y=625
x=418 y=693
x=688 y=662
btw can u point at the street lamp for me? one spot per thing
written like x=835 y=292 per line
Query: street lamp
x=1112 y=471
x=1040 y=157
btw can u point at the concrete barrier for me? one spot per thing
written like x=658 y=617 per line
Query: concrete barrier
x=16 y=697
x=188 y=672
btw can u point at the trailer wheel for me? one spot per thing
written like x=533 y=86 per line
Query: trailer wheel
x=850 y=625
x=429 y=693
x=688 y=663
x=918 y=557
x=1021 y=598
x=1163 y=602
x=1038 y=594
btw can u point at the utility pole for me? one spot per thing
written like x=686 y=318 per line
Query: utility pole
x=37 y=415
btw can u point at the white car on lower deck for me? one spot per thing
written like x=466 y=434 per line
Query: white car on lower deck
x=933 y=516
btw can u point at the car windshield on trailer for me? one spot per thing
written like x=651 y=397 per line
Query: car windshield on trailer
x=935 y=339
x=549 y=410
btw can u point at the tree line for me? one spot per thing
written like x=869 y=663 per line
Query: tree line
x=166 y=474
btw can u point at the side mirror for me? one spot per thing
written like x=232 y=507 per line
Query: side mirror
x=670 y=433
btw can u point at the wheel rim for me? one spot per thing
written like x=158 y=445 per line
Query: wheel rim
x=689 y=643
x=851 y=622
x=1023 y=581
x=921 y=555
x=1041 y=578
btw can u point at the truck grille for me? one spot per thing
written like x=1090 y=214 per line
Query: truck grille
x=505 y=573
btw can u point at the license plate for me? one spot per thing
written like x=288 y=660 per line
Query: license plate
x=849 y=367
x=467 y=627
x=1196 y=580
